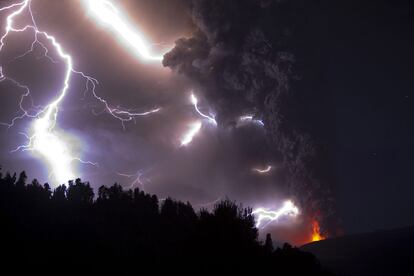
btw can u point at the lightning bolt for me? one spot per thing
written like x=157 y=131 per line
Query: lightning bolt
x=104 y=11
x=138 y=178
x=45 y=138
x=189 y=135
x=194 y=101
x=195 y=127
x=263 y=171
x=287 y=210
x=249 y=119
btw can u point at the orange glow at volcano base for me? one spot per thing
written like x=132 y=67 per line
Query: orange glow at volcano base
x=316 y=234
x=302 y=231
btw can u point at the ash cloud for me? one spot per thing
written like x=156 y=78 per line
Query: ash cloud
x=245 y=57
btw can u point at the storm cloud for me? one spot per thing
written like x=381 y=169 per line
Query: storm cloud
x=243 y=58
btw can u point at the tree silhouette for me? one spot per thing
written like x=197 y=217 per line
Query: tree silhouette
x=121 y=229
x=21 y=182
x=59 y=194
x=269 y=243
x=80 y=192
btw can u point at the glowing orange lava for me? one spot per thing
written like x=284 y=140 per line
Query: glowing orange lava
x=316 y=232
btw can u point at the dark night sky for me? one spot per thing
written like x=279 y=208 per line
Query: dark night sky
x=367 y=66
x=371 y=75
x=352 y=94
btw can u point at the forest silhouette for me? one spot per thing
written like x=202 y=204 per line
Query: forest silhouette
x=130 y=232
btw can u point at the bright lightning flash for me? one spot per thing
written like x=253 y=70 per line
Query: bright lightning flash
x=188 y=137
x=195 y=127
x=262 y=214
x=45 y=138
x=263 y=171
x=248 y=119
x=194 y=101
x=105 y=12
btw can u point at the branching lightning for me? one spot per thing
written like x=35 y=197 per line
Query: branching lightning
x=118 y=113
x=106 y=12
x=138 y=178
x=195 y=127
x=262 y=214
x=45 y=138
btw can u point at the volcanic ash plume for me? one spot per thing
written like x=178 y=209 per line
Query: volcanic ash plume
x=242 y=58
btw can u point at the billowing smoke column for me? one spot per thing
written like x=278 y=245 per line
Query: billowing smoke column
x=45 y=138
x=244 y=62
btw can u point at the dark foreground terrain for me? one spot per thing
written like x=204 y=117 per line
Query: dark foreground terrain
x=130 y=233
x=387 y=252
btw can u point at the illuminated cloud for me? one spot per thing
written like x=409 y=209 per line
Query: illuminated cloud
x=263 y=214
x=45 y=139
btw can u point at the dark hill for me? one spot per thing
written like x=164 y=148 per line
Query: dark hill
x=385 y=252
